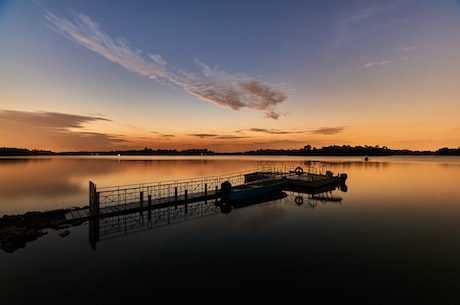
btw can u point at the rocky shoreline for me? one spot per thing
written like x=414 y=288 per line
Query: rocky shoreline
x=17 y=230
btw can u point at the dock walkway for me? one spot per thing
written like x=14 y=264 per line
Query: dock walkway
x=124 y=208
x=123 y=199
x=116 y=200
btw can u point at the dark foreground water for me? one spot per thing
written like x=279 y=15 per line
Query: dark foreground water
x=393 y=237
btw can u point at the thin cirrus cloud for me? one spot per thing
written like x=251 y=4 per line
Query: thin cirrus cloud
x=376 y=63
x=215 y=136
x=203 y=135
x=361 y=12
x=273 y=131
x=258 y=130
x=230 y=137
x=407 y=49
x=328 y=130
x=163 y=136
x=214 y=86
x=66 y=130
x=47 y=119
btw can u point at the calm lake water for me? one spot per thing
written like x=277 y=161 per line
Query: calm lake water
x=391 y=237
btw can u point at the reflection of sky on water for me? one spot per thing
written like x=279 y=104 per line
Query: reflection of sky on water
x=393 y=236
x=403 y=184
x=60 y=182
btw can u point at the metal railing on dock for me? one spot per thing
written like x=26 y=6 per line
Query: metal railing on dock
x=123 y=198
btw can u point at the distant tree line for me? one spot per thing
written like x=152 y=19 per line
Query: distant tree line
x=8 y=151
x=347 y=150
x=308 y=150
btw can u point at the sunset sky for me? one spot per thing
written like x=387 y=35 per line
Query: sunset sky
x=229 y=75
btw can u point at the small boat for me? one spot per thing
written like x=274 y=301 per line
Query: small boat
x=248 y=190
x=299 y=178
x=258 y=175
x=313 y=180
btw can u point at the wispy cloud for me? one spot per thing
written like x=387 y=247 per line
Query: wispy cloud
x=231 y=137
x=328 y=130
x=62 y=130
x=215 y=86
x=241 y=134
x=216 y=136
x=203 y=135
x=376 y=63
x=273 y=131
x=43 y=119
x=365 y=10
x=163 y=136
x=359 y=13
x=407 y=49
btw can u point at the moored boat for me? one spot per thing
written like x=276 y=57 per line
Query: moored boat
x=253 y=189
x=299 y=178
x=313 y=180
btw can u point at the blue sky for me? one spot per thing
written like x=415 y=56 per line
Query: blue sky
x=229 y=75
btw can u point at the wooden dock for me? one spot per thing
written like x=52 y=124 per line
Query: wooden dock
x=117 y=200
x=125 y=208
x=124 y=199
x=78 y=215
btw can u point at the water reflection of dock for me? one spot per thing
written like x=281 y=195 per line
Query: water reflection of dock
x=117 y=200
x=120 y=210
x=101 y=229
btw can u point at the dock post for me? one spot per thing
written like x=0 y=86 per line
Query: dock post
x=97 y=204
x=149 y=203
x=185 y=202
x=216 y=194
x=175 y=193
x=93 y=202
x=141 y=200
x=205 y=193
x=93 y=232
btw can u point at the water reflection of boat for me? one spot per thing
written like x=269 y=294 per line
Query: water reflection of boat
x=312 y=200
x=254 y=189
x=226 y=206
x=308 y=196
x=315 y=190
x=326 y=198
